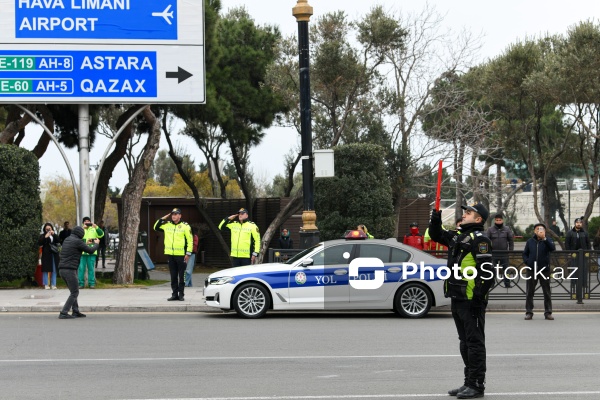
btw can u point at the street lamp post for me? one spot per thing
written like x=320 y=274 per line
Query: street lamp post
x=309 y=233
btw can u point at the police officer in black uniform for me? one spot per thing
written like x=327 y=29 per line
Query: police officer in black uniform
x=468 y=247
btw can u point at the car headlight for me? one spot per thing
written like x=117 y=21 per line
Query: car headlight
x=220 y=280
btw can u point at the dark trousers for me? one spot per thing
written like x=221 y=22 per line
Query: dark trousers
x=240 y=262
x=471 y=334
x=545 y=284
x=101 y=252
x=72 y=281
x=177 y=269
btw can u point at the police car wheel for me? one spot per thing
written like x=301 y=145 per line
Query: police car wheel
x=251 y=300
x=412 y=301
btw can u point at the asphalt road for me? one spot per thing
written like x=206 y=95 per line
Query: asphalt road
x=289 y=356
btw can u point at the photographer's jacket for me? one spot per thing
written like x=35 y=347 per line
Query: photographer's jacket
x=245 y=237
x=178 y=237
x=467 y=247
x=72 y=248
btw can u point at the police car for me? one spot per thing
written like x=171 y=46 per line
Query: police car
x=344 y=274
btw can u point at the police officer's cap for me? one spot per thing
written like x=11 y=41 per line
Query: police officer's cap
x=414 y=224
x=479 y=209
x=176 y=211
x=243 y=211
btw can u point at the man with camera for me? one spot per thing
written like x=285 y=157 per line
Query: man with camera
x=88 y=261
x=179 y=244
x=70 y=256
x=245 y=238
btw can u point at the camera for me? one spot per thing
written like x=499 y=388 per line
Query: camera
x=88 y=224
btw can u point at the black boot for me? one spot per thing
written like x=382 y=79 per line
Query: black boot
x=454 y=392
x=469 y=393
x=173 y=297
x=63 y=315
x=181 y=297
x=77 y=314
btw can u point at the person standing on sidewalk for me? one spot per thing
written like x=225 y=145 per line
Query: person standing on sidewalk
x=178 y=247
x=245 y=238
x=102 y=248
x=72 y=248
x=414 y=237
x=537 y=257
x=470 y=249
x=65 y=233
x=577 y=239
x=191 y=262
x=502 y=239
x=88 y=261
x=49 y=242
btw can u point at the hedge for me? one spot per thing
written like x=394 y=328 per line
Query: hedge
x=20 y=212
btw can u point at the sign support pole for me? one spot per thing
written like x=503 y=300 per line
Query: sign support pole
x=84 y=159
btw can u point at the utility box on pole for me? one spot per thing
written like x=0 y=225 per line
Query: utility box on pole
x=324 y=164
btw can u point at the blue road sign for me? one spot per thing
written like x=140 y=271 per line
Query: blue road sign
x=96 y=19
x=83 y=74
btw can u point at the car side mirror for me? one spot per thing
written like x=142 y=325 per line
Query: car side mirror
x=307 y=262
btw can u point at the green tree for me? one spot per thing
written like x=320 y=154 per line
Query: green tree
x=571 y=78
x=20 y=212
x=526 y=118
x=247 y=52
x=164 y=168
x=58 y=201
x=358 y=194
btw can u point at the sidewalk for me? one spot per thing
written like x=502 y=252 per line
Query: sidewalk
x=154 y=299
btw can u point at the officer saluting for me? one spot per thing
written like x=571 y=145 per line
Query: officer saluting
x=178 y=246
x=245 y=238
x=468 y=247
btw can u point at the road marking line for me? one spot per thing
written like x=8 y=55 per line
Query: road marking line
x=377 y=396
x=46 y=360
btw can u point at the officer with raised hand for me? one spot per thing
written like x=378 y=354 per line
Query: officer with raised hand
x=245 y=238
x=468 y=288
x=179 y=243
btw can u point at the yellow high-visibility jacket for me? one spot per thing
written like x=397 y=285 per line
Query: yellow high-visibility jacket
x=178 y=237
x=242 y=236
x=91 y=233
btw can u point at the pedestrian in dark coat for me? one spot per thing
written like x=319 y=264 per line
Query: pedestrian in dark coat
x=578 y=239
x=285 y=241
x=72 y=248
x=537 y=257
x=65 y=233
x=48 y=241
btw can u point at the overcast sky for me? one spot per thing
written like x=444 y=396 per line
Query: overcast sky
x=499 y=24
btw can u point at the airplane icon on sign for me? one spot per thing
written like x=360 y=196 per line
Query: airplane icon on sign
x=165 y=14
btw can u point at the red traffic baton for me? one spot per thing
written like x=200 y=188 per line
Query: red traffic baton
x=438 y=196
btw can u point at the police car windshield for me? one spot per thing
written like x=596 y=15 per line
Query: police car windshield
x=301 y=254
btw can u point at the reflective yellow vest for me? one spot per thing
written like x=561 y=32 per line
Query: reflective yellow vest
x=178 y=237
x=242 y=235
x=91 y=233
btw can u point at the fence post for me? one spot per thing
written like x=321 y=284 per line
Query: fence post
x=580 y=276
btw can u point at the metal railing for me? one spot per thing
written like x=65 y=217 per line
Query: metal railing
x=573 y=275
x=281 y=255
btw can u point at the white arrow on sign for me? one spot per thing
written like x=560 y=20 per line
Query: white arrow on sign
x=165 y=14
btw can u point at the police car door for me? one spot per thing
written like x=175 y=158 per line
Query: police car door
x=391 y=274
x=323 y=282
